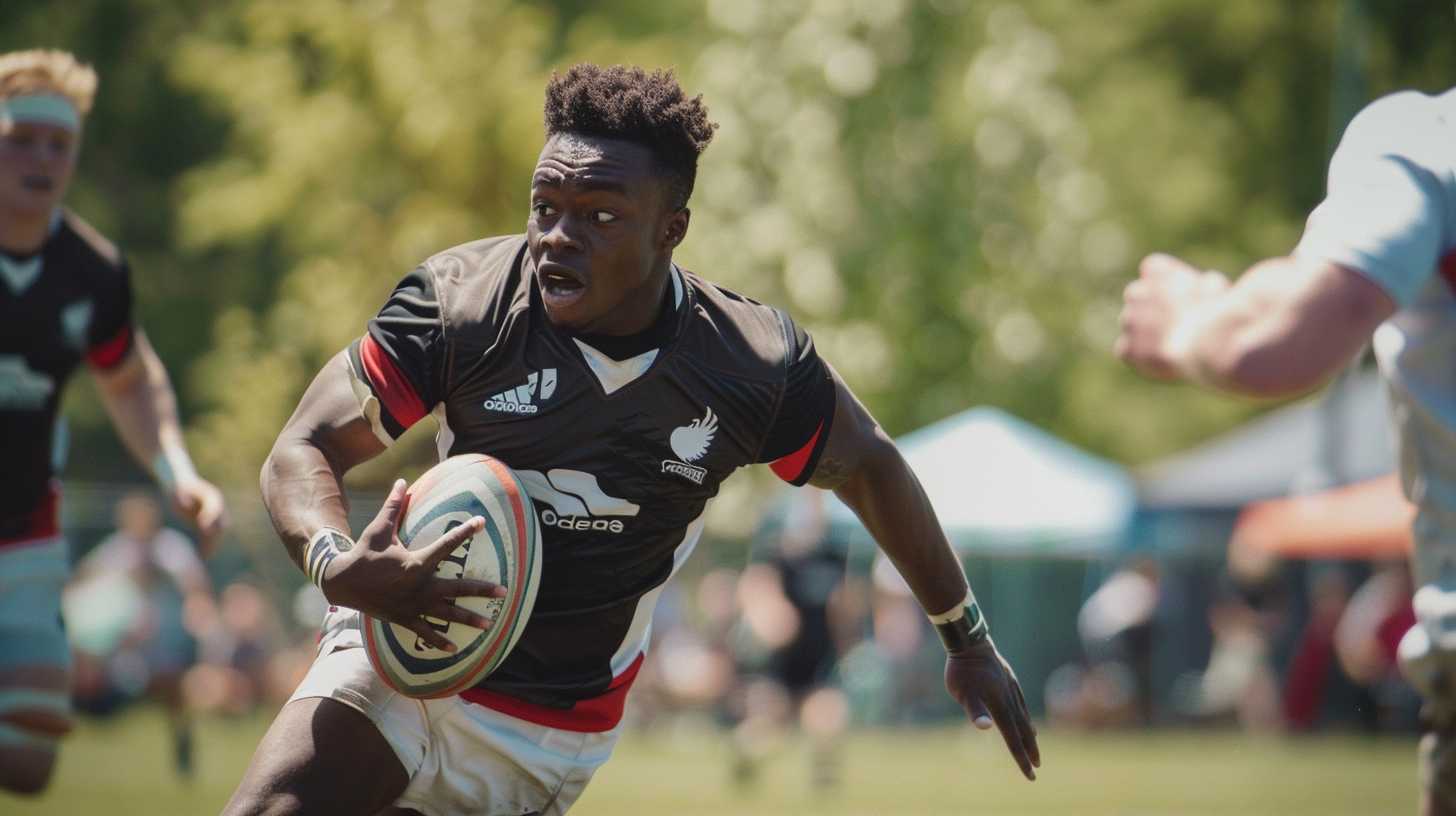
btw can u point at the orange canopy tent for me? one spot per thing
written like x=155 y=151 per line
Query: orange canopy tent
x=1369 y=519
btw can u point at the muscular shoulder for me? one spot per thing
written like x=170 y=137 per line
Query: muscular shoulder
x=738 y=335
x=478 y=283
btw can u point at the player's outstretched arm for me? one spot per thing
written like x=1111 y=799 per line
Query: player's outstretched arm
x=138 y=395
x=302 y=485
x=865 y=469
x=1287 y=326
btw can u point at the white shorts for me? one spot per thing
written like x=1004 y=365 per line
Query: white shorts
x=460 y=757
x=31 y=577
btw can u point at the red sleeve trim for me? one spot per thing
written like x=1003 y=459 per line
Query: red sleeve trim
x=592 y=716
x=394 y=389
x=791 y=468
x=108 y=353
x=1448 y=269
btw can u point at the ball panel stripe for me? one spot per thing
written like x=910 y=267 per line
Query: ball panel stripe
x=530 y=536
x=499 y=643
x=512 y=485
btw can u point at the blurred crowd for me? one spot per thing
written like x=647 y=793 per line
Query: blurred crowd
x=1295 y=646
x=803 y=640
x=147 y=625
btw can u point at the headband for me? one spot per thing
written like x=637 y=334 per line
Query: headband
x=47 y=109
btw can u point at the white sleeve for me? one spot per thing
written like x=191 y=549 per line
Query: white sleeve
x=1384 y=214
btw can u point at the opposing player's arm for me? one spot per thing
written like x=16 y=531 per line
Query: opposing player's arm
x=1285 y=327
x=1290 y=323
x=138 y=395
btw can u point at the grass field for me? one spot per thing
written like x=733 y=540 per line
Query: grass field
x=122 y=767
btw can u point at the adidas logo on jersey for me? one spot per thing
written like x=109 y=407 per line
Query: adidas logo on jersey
x=690 y=442
x=523 y=398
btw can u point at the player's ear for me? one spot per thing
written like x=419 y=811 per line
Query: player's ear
x=676 y=228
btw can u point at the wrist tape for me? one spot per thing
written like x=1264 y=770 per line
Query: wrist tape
x=323 y=547
x=963 y=625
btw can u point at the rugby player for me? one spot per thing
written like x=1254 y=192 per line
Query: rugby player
x=1377 y=262
x=65 y=297
x=623 y=390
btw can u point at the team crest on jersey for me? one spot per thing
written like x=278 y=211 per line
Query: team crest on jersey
x=690 y=442
x=21 y=387
x=526 y=398
x=75 y=323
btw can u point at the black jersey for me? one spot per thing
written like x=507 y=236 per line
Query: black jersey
x=619 y=456
x=67 y=303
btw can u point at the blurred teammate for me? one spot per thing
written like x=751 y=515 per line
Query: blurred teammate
x=64 y=298
x=1376 y=261
x=623 y=390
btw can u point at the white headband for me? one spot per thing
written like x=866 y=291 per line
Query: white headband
x=47 y=109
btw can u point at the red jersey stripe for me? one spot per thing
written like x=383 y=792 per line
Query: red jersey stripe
x=41 y=523
x=108 y=353
x=591 y=716
x=1448 y=269
x=394 y=389
x=790 y=468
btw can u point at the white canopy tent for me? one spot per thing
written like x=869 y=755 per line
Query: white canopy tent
x=1337 y=437
x=1001 y=486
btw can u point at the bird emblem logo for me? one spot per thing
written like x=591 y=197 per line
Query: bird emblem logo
x=691 y=441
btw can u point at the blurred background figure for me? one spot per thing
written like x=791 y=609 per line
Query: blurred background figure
x=797 y=621
x=1117 y=625
x=1313 y=674
x=1113 y=683
x=1366 y=639
x=248 y=660
x=137 y=606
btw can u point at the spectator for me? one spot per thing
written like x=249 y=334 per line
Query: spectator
x=173 y=606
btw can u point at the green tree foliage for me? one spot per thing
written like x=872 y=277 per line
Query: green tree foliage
x=142 y=134
x=951 y=194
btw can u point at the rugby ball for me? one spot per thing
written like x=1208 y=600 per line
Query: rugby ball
x=506 y=552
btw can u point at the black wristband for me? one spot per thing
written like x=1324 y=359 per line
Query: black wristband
x=963 y=633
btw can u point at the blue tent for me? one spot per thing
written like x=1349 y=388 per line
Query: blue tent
x=1002 y=486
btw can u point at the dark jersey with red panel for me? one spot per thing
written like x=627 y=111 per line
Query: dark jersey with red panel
x=620 y=456
x=67 y=303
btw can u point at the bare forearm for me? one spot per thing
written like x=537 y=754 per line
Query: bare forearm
x=303 y=493
x=302 y=481
x=143 y=407
x=1271 y=334
x=884 y=493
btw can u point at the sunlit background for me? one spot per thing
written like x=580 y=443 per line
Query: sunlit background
x=950 y=195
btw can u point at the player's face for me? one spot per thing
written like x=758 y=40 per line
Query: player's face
x=600 y=233
x=36 y=164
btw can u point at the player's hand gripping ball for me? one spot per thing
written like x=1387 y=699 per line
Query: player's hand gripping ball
x=506 y=552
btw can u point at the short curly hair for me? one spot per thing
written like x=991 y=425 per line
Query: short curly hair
x=626 y=102
x=48 y=71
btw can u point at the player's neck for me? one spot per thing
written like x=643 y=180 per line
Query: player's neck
x=23 y=233
x=640 y=308
x=626 y=346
